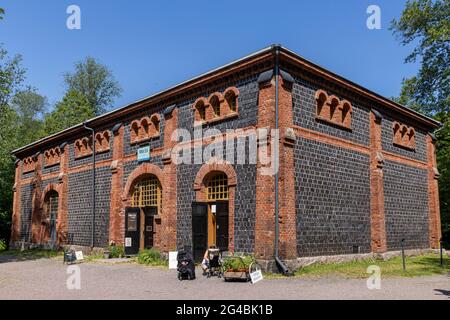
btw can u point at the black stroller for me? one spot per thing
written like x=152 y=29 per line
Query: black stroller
x=185 y=266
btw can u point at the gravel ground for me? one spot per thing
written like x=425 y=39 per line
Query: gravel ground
x=46 y=279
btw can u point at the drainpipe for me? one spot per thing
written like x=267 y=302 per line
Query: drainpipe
x=280 y=264
x=93 y=184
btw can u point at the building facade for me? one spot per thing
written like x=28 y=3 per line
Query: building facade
x=356 y=172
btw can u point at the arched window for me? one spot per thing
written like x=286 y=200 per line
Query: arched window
x=217 y=187
x=52 y=205
x=147 y=193
x=215 y=103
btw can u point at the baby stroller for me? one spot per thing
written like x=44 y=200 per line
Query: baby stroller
x=215 y=263
x=185 y=266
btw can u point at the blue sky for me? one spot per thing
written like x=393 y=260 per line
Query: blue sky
x=152 y=45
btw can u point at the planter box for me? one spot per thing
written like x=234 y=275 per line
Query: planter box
x=236 y=275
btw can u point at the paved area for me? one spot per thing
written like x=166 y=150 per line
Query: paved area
x=47 y=278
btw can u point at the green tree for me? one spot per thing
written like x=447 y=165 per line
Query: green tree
x=2 y=12
x=96 y=82
x=73 y=109
x=30 y=107
x=12 y=75
x=11 y=78
x=426 y=24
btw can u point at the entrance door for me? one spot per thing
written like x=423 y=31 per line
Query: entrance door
x=199 y=229
x=148 y=232
x=132 y=223
x=222 y=225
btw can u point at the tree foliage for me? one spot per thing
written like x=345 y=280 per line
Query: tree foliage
x=426 y=24
x=73 y=109
x=95 y=81
x=30 y=107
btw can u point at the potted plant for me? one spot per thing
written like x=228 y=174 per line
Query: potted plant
x=237 y=267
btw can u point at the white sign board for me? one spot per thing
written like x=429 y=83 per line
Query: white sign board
x=213 y=208
x=256 y=276
x=127 y=242
x=143 y=153
x=79 y=255
x=173 y=259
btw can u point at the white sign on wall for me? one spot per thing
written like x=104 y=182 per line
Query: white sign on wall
x=143 y=153
x=127 y=242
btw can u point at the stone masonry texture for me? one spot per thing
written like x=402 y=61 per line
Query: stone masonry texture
x=332 y=203
x=406 y=205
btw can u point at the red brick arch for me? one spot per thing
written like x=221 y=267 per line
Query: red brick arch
x=144 y=170
x=206 y=169
x=48 y=188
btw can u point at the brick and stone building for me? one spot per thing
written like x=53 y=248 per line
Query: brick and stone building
x=357 y=172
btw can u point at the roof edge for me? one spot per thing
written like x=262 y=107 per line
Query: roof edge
x=324 y=72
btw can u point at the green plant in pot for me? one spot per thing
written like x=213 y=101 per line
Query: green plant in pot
x=237 y=263
x=115 y=251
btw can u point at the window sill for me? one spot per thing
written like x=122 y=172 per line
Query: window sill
x=404 y=147
x=144 y=139
x=215 y=120
x=335 y=124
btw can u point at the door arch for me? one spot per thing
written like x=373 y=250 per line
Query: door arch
x=143 y=216
x=215 y=185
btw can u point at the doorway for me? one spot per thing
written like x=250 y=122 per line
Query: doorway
x=209 y=226
x=140 y=217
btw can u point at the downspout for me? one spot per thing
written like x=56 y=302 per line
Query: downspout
x=280 y=264
x=93 y=184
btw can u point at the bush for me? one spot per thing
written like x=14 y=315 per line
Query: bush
x=151 y=257
x=237 y=263
x=116 y=251
x=3 y=246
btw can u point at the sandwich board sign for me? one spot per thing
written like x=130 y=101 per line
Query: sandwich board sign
x=143 y=154
x=173 y=259
x=256 y=276
x=79 y=255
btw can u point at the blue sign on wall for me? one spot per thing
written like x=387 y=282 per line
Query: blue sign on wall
x=143 y=153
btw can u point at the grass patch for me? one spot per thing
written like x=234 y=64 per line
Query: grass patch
x=423 y=265
x=151 y=257
x=31 y=254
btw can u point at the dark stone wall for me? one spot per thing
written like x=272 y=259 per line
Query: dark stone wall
x=80 y=207
x=26 y=196
x=304 y=114
x=406 y=206
x=332 y=199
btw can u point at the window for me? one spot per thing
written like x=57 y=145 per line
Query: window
x=331 y=109
x=217 y=107
x=403 y=136
x=147 y=193
x=217 y=187
x=52 y=205
x=145 y=128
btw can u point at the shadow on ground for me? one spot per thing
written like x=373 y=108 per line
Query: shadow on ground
x=17 y=256
x=443 y=292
